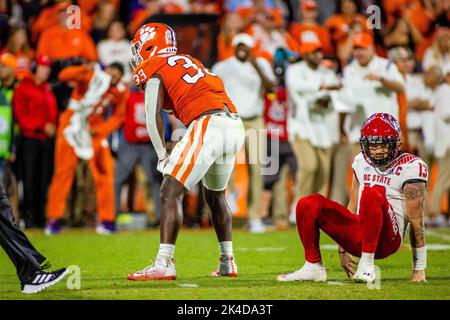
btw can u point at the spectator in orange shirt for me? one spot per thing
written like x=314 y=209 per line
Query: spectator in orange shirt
x=308 y=30
x=251 y=14
x=232 y=25
x=343 y=26
x=269 y=37
x=50 y=16
x=19 y=46
x=59 y=42
x=65 y=47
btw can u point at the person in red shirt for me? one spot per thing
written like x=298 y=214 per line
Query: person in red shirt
x=35 y=111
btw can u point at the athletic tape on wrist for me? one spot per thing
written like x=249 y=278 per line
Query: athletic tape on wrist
x=419 y=258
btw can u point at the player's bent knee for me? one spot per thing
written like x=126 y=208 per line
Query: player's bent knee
x=171 y=190
x=372 y=194
x=214 y=196
x=309 y=205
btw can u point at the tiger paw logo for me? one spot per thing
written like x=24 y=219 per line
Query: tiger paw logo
x=147 y=34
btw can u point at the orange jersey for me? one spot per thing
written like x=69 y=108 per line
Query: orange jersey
x=190 y=89
x=304 y=33
x=61 y=43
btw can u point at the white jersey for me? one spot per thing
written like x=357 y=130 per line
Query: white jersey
x=406 y=168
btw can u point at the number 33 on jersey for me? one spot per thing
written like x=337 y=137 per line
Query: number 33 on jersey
x=190 y=88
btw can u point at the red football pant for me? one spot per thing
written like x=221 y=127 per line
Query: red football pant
x=372 y=231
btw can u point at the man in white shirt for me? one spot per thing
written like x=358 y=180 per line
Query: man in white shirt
x=442 y=145
x=309 y=85
x=421 y=96
x=246 y=78
x=370 y=86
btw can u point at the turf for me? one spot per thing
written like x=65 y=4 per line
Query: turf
x=105 y=261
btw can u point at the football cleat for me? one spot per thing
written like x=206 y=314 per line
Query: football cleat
x=227 y=267
x=42 y=280
x=106 y=228
x=305 y=274
x=364 y=276
x=53 y=227
x=162 y=269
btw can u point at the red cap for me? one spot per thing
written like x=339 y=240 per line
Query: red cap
x=362 y=40
x=309 y=47
x=309 y=5
x=43 y=61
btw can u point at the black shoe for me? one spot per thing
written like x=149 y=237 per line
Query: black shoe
x=42 y=280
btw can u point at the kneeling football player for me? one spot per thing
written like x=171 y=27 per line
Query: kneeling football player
x=29 y=263
x=181 y=85
x=388 y=193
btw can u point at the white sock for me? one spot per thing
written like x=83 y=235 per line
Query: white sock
x=367 y=260
x=166 y=251
x=313 y=266
x=226 y=248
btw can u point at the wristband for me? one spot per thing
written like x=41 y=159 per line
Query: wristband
x=419 y=258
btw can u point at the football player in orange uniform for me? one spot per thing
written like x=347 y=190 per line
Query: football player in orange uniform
x=180 y=84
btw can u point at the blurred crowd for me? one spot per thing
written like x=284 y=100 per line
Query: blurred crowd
x=305 y=73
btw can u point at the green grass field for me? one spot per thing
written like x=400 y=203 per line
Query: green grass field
x=105 y=262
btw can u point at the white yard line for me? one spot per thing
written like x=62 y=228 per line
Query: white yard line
x=438 y=235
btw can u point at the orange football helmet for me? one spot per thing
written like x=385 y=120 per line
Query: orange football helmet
x=152 y=39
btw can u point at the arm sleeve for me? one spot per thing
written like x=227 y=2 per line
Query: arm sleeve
x=151 y=106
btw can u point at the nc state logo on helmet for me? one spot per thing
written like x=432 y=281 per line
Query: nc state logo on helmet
x=381 y=128
x=152 y=39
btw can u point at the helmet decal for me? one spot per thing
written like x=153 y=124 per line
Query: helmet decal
x=147 y=34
